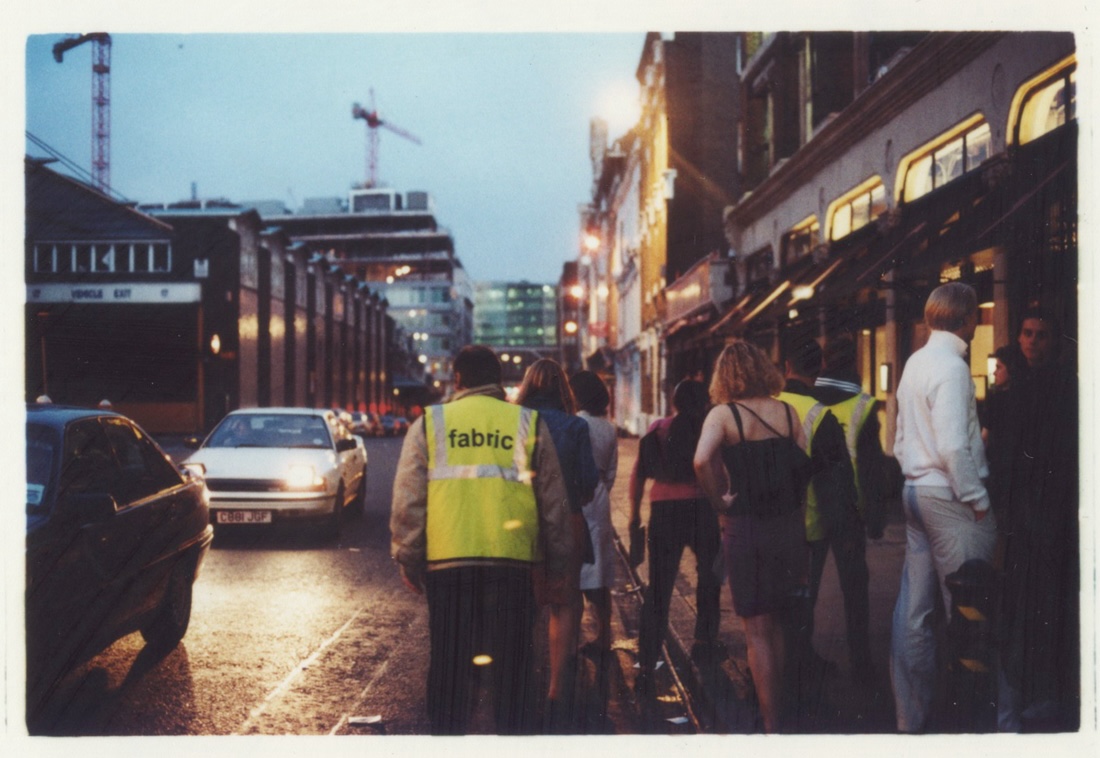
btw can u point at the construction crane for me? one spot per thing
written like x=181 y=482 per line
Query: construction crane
x=101 y=102
x=373 y=122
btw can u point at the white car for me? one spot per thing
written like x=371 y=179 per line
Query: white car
x=269 y=465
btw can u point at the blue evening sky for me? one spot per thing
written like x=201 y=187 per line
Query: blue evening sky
x=503 y=119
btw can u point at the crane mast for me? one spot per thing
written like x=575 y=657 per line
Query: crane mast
x=101 y=101
x=373 y=122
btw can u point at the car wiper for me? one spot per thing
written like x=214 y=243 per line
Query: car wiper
x=251 y=444
x=304 y=445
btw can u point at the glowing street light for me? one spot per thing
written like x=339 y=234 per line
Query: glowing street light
x=576 y=291
x=591 y=243
x=571 y=327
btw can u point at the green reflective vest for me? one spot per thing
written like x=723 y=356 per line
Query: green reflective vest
x=852 y=415
x=812 y=414
x=481 y=500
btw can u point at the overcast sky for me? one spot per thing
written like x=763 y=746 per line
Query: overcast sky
x=503 y=119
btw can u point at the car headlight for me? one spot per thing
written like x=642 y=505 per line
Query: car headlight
x=302 y=476
x=196 y=469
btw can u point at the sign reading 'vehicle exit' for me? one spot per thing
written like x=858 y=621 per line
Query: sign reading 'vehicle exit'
x=125 y=292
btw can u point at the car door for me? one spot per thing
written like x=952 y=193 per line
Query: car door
x=154 y=503
x=70 y=571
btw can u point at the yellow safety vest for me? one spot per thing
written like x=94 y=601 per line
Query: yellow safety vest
x=481 y=500
x=812 y=414
x=852 y=414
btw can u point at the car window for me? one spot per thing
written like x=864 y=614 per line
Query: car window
x=271 y=430
x=88 y=465
x=145 y=470
x=42 y=449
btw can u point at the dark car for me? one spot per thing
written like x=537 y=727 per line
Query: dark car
x=116 y=534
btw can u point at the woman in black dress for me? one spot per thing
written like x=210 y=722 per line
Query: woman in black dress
x=751 y=461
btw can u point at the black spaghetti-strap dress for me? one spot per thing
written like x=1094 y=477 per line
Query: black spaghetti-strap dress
x=764 y=531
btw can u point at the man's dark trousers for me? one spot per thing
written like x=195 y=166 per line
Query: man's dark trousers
x=481 y=626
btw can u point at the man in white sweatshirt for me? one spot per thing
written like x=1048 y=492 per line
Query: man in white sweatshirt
x=948 y=521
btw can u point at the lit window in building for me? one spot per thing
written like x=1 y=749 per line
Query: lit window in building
x=948 y=160
x=801 y=240
x=1048 y=106
x=856 y=210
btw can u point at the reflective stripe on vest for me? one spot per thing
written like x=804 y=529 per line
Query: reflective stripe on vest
x=852 y=413
x=812 y=413
x=481 y=500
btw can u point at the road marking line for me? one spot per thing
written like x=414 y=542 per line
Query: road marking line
x=362 y=695
x=285 y=684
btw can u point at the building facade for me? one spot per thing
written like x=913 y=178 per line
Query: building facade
x=869 y=168
x=519 y=320
x=178 y=314
x=391 y=241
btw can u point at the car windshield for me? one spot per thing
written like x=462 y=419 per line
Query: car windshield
x=271 y=430
x=42 y=445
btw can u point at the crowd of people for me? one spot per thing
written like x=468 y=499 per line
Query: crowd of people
x=502 y=508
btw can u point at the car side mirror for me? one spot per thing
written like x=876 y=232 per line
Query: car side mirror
x=342 y=446
x=192 y=443
x=86 y=507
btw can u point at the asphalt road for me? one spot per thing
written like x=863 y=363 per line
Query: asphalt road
x=291 y=633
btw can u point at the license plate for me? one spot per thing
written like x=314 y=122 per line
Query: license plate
x=244 y=517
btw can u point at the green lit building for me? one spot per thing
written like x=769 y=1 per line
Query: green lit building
x=519 y=320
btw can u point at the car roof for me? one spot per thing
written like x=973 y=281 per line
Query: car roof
x=282 y=411
x=60 y=415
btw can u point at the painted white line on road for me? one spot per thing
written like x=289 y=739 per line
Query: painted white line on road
x=284 y=685
x=362 y=695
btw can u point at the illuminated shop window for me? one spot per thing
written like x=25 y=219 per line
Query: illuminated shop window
x=948 y=159
x=857 y=209
x=801 y=240
x=1048 y=105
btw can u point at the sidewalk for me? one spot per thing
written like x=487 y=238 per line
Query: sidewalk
x=722 y=700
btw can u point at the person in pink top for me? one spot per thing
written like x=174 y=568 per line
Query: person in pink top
x=679 y=516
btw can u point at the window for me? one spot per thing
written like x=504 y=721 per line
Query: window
x=104 y=258
x=88 y=465
x=160 y=258
x=947 y=161
x=801 y=240
x=139 y=255
x=858 y=209
x=145 y=472
x=1048 y=105
x=45 y=258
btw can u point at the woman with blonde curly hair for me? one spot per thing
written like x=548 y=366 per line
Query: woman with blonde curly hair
x=751 y=462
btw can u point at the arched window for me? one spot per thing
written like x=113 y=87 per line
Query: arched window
x=857 y=208
x=954 y=153
x=801 y=240
x=1046 y=102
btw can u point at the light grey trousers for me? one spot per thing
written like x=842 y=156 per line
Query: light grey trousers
x=941 y=534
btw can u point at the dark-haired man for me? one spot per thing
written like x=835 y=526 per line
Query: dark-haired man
x=830 y=499
x=1040 y=653
x=477 y=500
x=839 y=390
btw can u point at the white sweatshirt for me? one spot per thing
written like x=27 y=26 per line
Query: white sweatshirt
x=938 y=442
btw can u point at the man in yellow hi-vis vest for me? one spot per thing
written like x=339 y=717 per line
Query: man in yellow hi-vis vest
x=838 y=388
x=478 y=499
x=831 y=495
